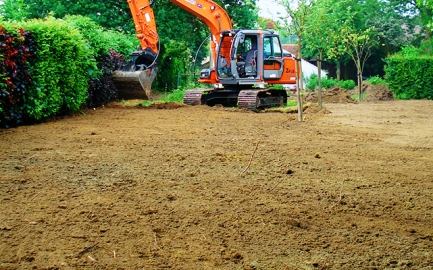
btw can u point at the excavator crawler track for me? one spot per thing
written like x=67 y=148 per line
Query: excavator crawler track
x=194 y=97
x=253 y=99
x=259 y=99
x=248 y=99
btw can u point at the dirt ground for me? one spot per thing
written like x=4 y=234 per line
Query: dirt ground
x=174 y=187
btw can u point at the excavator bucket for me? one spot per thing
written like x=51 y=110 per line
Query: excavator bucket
x=134 y=84
x=134 y=80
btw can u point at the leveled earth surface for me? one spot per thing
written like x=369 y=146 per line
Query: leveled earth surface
x=178 y=187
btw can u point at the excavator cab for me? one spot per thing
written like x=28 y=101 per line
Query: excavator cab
x=244 y=59
x=249 y=57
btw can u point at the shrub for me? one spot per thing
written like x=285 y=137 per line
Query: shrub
x=376 y=80
x=17 y=47
x=61 y=70
x=108 y=48
x=102 y=91
x=346 y=84
x=57 y=66
x=172 y=62
x=100 y=40
x=410 y=77
x=313 y=82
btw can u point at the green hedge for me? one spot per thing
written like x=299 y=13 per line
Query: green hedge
x=15 y=51
x=61 y=70
x=410 y=76
x=67 y=60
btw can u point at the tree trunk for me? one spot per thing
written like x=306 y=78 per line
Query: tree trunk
x=338 y=71
x=300 y=85
x=358 y=66
x=301 y=82
x=298 y=89
x=319 y=79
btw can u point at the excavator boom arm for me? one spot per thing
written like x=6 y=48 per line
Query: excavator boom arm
x=144 y=23
x=214 y=16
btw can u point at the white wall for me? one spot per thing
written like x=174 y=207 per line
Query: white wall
x=308 y=69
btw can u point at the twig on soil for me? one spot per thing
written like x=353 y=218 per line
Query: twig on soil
x=87 y=249
x=251 y=159
x=155 y=240
x=341 y=191
x=269 y=190
x=37 y=193
x=91 y=258
x=114 y=254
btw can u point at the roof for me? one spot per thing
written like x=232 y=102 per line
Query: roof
x=291 y=48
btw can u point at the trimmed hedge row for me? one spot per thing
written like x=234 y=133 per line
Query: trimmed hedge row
x=409 y=76
x=55 y=67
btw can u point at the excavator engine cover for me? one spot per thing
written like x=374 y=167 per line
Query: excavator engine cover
x=134 y=80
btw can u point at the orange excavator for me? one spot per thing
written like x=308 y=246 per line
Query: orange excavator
x=240 y=60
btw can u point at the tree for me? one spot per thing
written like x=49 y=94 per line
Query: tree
x=321 y=35
x=174 y=23
x=298 y=11
x=426 y=10
x=11 y=10
x=359 y=44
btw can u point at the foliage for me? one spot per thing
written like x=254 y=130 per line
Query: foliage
x=266 y=23
x=375 y=80
x=14 y=10
x=346 y=84
x=410 y=76
x=356 y=96
x=391 y=23
x=173 y=24
x=426 y=12
x=244 y=13
x=291 y=103
x=100 y=40
x=298 y=12
x=102 y=90
x=312 y=83
x=174 y=60
x=324 y=23
x=108 y=47
x=61 y=70
x=18 y=46
x=277 y=86
x=174 y=96
x=109 y=14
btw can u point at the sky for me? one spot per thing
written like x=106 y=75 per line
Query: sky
x=269 y=9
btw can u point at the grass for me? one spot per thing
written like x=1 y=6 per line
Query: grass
x=146 y=103
x=291 y=103
x=175 y=96
x=356 y=96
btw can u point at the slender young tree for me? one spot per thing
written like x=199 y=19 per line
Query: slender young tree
x=318 y=37
x=359 y=44
x=298 y=11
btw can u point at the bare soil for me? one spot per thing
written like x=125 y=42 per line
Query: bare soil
x=178 y=187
